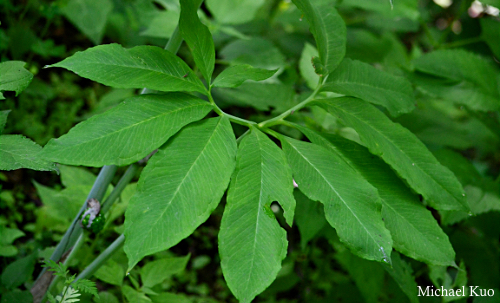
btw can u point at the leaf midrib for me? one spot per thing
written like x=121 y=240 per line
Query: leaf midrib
x=138 y=123
x=139 y=67
x=169 y=203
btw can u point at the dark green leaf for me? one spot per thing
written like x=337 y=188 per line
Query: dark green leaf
x=402 y=8
x=137 y=67
x=14 y=77
x=179 y=188
x=490 y=28
x=18 y=272
x=3 y=119
x=471 y=80
x=111 y=272
x=198 y=38
x=367 y=275
x=17 y=151
x=309 y=217
x=361 y=80
x=251 y=242
x=234 y=11
x=234 y=76
x=257 y=52
x=162 y=25
x=135 y=296
x=127 y=132
x=17 y=297
x=89 y=16
x=352 y=205
x=402 y=151
x=155 y=272
x=328 y=30
x=402 y=273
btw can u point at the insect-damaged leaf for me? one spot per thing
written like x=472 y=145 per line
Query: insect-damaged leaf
x=328 y=30
x=179 y=188
x=251 y=242
x=14 y=77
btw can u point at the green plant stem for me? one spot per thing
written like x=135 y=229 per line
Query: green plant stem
x=280 y=118
x=463 y=42
x=232 y=118
x=242 y=136
x=75 y=230
x=124 y=181
x=101 y=259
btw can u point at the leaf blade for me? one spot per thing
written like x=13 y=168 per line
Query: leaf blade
x=251 y=242
x=127 y=132
x=361 y=80
x=401 y=150
x=352 y=209
x=183 y=182
x=235 y=75
x=474 y=80
x=329 y=31
x=137 y=67
x=17 y=151
x=14 y=77
x=414 y=230
x=198 y=38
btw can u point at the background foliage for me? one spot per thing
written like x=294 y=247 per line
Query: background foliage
x=430 y=71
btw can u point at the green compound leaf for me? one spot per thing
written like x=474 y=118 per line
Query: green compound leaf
x=328 y=30
x=234 y=76
x=361 y=80
x=401 y=150
x=414 y=230
x=89 y=16
x=251 y=242
x=197 y=37
x=14 y=77
x=137 y=67
x=127 y=132
x=470 y=79
x=352 y=205
x=179 y=188
x=17 y=151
